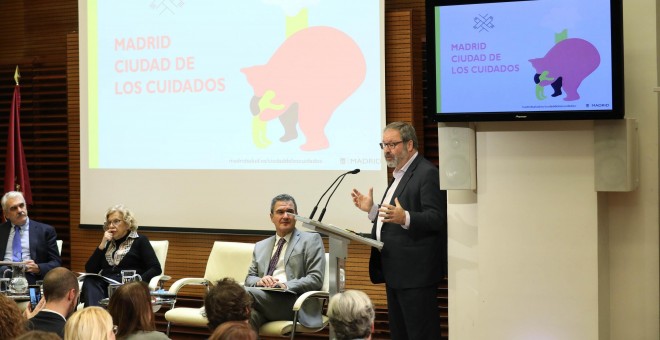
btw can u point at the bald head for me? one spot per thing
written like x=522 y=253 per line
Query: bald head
x=58 y=282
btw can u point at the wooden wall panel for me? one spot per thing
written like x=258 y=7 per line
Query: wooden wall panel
x=398 y=66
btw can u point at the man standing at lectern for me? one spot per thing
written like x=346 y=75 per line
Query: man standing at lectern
x=411 y=221
x=291 y=260
x=25 y=240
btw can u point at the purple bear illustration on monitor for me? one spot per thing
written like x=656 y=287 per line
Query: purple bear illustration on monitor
x=566 y=65
x=306 y=79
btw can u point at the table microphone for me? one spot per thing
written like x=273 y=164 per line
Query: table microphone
x=333 y=191
x=311 y=216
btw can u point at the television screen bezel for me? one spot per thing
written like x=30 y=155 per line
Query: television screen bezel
x=617 y=110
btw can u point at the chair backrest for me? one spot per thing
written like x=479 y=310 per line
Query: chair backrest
x=229 y=259
x=59 y=246
x=160 y=248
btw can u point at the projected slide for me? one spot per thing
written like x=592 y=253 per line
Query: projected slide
x=233 y=85
x=546 y=55
x=195 y=114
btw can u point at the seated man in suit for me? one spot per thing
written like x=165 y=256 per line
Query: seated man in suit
x=61 y=294
x=291 y=260
x=25 y=240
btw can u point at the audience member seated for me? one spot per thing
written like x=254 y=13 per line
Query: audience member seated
x=36 y=244
x=39 y=335
x=351 y=315
x=90 y=323
x=12 y=323
x=121 y=248
x=234 y=330
x=130 y=307
x=61 y=294
x=291 y=260
x=226 y=301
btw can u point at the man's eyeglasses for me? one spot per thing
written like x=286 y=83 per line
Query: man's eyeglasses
x=390 y=146
x=282 y=212
x=115 y=223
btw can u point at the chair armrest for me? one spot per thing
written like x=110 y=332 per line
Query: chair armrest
x=311 y=294
x=176 y=286
x=158 y=281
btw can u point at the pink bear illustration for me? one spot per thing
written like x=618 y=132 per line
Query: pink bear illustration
x=306 y=79
x=565 y=66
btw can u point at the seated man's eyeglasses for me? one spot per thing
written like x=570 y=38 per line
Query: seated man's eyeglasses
x=391 y=145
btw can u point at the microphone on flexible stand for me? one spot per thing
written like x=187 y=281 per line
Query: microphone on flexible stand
x=333 y=191
x=311 y=216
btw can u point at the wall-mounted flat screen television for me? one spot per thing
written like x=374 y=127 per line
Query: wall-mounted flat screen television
x=525 y=60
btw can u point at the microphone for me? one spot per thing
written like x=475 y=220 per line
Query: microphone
x=311 y=216
x=352 y=172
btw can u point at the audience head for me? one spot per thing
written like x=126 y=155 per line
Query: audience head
x=39 y=335
x=234 y=330
x=351 y=315
x=123 y=214
x=89 y=323
x=226 y=301
x=61 y=285
x=131 y=310
x=12 y=323
x=281 y=208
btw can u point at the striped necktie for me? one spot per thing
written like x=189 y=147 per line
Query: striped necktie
x=276 y=257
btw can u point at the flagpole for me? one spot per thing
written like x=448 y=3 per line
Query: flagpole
x=16 y=172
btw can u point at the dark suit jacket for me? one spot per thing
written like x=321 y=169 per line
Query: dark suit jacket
x=416 y=257
x=43 y=247
x=48 y=322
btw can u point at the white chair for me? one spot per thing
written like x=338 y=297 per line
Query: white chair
x=59 y=246
x=227 y=259
x=160 y=248
x=282 y=328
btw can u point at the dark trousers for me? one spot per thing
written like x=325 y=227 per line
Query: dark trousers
x=94 y=289
x=413 y=313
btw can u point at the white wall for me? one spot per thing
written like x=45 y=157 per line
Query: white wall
x=535 y=252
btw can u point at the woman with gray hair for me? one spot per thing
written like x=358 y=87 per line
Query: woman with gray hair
x=121 y=248
x=351 y=315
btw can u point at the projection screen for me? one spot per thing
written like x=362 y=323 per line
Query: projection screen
x=194 y=114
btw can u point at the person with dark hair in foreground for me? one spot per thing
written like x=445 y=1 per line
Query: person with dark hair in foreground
x=225 y=301
x=290 y=260
x=411 y=221
x=131 y=310
x=61 y=294
x=351 y=315
x=234 y=330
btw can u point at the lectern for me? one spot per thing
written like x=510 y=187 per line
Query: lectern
x=339 y=240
